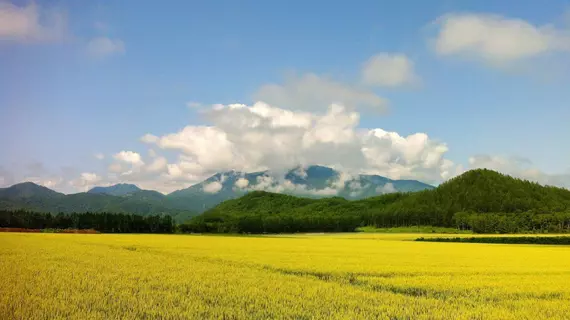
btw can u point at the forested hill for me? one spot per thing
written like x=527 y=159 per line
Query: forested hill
x=32 y=197
x=480 y=191
x=480 y=199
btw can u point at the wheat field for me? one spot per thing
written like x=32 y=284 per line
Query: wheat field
x=348 y=276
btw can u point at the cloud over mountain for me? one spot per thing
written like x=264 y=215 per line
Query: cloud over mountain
x=264 y=137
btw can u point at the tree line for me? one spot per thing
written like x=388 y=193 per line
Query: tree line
x=102 y=222
x=558 y=240
x=480 y=200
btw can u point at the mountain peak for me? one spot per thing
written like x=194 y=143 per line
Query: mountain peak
x=28 y=189
x=120 y=189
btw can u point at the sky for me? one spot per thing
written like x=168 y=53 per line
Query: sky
x=163 y=95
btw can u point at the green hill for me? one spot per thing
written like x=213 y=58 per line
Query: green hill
x=32 y=197
x=478 y=191
x=482 y=200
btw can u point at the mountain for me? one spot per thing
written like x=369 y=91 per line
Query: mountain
x=29 y=196
x=199 y=198
x=479 y=199
x=120 y=189
x=27 y=190
x=312 y=182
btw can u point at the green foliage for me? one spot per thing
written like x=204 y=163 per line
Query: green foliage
x=483 y=201
x=413 y=229
x=504 y=240
x=103 y=222
x=523 y=222
x=31 y=197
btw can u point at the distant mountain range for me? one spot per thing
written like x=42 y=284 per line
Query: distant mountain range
x=313 y=182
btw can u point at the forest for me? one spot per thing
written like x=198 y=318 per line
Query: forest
x=481 y=200
x=102 y=222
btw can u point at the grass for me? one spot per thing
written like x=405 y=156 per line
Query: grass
x=348 y=276
x=413 y=229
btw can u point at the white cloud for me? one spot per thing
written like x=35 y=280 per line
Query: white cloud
x=86 y=181
x=99 y=156
x=129 y=157
x=311 y=92
x=213 y=187
x=90 y=177
x=387 y=188
x=149 y=138
x=279 y=185
x=102 y=47
x=31 y=24
x=261 y=137
x=50 y=182
x=520 y=168
x=497 y=39
x=242 y=183
x=389 y=70
x=158 y=165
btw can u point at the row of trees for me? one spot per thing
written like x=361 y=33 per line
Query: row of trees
x=103 y=222
x=273 y=224
x=480 y=200
x=523 y=222
x=556 y=240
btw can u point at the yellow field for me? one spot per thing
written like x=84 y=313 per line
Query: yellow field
x=350 y=276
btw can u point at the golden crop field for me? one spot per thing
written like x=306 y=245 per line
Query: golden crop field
x=350 y=276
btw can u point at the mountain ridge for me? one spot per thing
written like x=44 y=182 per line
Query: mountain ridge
x=119 y=189
x=313 y=182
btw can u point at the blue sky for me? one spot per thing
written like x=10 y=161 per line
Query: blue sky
x=93 y=77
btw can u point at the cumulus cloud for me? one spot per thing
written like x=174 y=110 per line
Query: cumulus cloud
x=310 y=92
x=387 y=188
x=99 y=156
x=52 y=182
x=149 y=138
x=101 y=47
x=213 y=187
x=241 y=183
x=520 y=168
x=388 y=70
x=31 y=24
x=278 y=184
x=263 y=137
x=129 y=157
x=158 y=165
x=86 y=181
x=497 y=39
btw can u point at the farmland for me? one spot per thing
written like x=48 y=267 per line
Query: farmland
x=343 y=276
